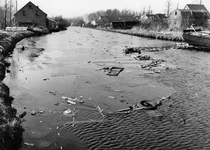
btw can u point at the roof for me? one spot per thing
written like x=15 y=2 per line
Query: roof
x=52 y=20
x=199 y=13
x=31 y=4
x=161 y=16
x=196 y=7
x=194 y=13
x=122 y=18
x=150 y=15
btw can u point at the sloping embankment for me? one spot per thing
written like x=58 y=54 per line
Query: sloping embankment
x=10 y=125
x=169 y=36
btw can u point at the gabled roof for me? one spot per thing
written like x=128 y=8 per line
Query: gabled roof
x=30 y=3
x=150 y=15
x=122 y=18
x=196 y=7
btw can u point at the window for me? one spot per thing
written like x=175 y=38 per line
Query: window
x=24 y=13
x=30 y=7
x=176 y=13
x=37 y=14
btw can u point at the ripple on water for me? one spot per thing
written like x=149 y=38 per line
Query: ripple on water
x=136 y=130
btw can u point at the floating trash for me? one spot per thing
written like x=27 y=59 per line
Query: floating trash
x=67 y=112
x=70 y=113
x=112 y=71
x=23 y=114
x=28 y=144
x=111 y=97
x=33 y=112
x=100 y=110
x=72 y=101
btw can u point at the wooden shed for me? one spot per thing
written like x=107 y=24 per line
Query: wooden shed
x=118 y=22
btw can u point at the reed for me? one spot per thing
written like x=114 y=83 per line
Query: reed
x=162 y=35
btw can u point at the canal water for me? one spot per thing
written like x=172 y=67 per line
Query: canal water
x=69 y=64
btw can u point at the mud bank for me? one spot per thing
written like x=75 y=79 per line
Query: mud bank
x=10 y=124
x=148 y=34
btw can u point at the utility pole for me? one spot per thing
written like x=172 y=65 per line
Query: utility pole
x=10 y=13
x=201 y=2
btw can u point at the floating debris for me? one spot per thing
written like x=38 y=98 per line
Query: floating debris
x=23 y=114
x=44 y=79
x=154 y=63
x=67 y=112
x=73 y=100
x=143 y=57
x=130 y=50
x=126 y=110
x=33 y=112
x=100 y=110
x=112 y=71
x=111 y=97
x=28 y=144
x=53 y=93
x=56 y=104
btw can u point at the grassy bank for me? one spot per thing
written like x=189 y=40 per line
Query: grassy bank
x=162 y=35
x=10 y=124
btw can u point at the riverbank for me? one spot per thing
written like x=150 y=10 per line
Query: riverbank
x=161 y=35
x=10 y=124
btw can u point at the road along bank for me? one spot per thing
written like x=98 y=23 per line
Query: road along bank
x=10 y=124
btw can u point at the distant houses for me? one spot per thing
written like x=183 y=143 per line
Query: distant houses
x=177 y=19
x=118 y=22
x=191 y=14
x=31 y=15
x=128 y=22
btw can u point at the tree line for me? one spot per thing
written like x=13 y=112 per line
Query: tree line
x=7 y=10
x=79 y=21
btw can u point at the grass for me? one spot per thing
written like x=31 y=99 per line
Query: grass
x=162 y=35
x=155 y=34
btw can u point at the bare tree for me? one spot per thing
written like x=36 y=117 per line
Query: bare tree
x=143 y=11
x=149 y=11
x=168 y=7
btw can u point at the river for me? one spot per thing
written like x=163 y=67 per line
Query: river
x=69 y=64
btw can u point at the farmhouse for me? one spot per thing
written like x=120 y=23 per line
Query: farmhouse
x=118 y=22
x=146 y=18
x=31 y=15
x=191 y=14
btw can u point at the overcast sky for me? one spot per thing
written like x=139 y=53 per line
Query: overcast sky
x=72 y=8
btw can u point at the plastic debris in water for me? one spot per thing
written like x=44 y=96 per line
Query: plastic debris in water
x=111 y=97
x=72 y=100
x=29 y=144
x=100 y=110
x=33 y=112
x=67 y=112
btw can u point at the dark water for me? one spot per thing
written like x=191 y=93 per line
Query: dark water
x=67 y=63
